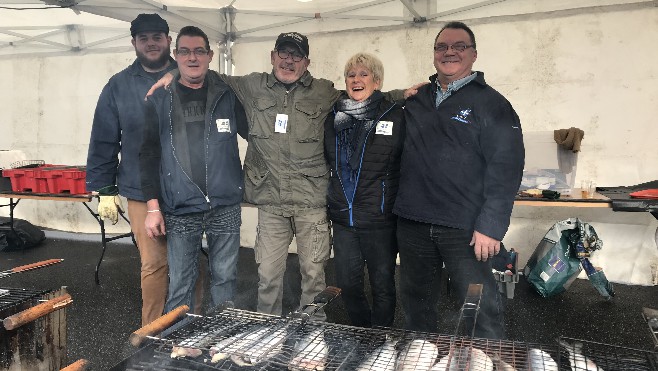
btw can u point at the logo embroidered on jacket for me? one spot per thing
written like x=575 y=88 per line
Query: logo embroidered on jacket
x=462 y=116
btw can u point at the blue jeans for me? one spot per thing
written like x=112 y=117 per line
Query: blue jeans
x=424 y=248
x=184 y=233
x=355 y=248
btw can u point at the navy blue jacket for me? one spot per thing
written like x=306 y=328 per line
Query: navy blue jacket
x=118 y=127
x=165 y=156
x=462 y=163
x=378 y=173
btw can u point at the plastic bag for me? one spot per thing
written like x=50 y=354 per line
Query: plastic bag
x=554 y=265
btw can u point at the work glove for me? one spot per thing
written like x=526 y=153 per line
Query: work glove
x=109 y=204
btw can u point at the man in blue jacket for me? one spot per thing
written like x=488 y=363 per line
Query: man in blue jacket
x=191 y=172
x=462 y=164
x=117 y=128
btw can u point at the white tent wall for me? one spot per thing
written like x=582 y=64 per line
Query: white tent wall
x=591 y=68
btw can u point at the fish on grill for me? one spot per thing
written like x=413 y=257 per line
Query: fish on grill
x=500 y=364
x=249 y=347
x=260 y=345
x=464 y=358
x=577 y=359
x=382 y=358
x=417 y=355
x=538 y=360
x=310 y=352
x=189 y=347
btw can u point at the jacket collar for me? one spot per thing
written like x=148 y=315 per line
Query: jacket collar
x=305 y=80
x=479 y=79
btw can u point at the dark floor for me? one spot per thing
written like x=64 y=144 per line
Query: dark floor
x=102 y=316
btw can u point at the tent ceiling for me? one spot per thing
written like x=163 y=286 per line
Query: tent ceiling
x=96 y=26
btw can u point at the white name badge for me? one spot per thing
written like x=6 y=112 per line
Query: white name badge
x=223 y=125
x=281 y=123
x=384 y=128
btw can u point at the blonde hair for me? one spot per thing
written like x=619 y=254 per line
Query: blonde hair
x=370 y=62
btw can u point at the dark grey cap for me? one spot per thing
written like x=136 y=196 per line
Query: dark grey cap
x=148 y=23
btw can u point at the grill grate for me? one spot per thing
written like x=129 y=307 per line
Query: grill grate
x=239 y=340
x=582 y=355
x=15 y=297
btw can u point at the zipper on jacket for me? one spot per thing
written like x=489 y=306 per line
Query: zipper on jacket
x=208 y=123
x=383 y=194
x=358 y=174
x=171 y=138
x=285 y=97
x=340 y=180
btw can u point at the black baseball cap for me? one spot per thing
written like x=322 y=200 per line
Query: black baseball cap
x=148 y=22
x=295 y=38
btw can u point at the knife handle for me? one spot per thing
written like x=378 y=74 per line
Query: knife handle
x=158 y=325
x=19 y=319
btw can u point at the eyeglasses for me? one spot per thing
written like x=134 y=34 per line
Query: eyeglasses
x=284 y=54
x=458 y=47
x=199 y=52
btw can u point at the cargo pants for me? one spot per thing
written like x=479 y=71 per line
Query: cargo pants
x=273 y=237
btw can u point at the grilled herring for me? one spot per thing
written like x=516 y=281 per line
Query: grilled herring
x=576 y=358
x=259 y=346
x=464 y=358
x=224 y=348
x=189 y=347
x=538 y=360
x=382 y=358
x=310 y=352
x=419 y=355
x=500 y=364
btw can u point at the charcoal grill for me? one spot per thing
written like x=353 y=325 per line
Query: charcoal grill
x=348 y=347
x=33 y=334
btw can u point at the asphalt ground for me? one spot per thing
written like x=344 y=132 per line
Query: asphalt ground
x=102 y=317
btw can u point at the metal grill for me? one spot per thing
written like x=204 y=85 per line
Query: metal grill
x=238 y=340
x=32 y=343
x=12 y=298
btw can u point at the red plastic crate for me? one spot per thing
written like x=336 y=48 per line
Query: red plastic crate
x=65 y=181
x=48 y=179
x=26 y=180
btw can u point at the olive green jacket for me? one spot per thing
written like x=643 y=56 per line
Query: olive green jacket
x=286 y=173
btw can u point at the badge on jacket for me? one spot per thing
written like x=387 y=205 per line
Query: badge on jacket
x=384 y=128
x=223 y=125
x=281 y=124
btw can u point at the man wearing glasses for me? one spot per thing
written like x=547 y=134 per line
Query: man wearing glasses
x=461 y=167
x=191 y=172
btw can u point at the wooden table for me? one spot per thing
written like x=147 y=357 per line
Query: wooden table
x=85 y=199
x=598 y=200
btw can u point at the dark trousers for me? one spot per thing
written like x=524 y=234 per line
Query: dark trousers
x=355 y=248
x=424 y=248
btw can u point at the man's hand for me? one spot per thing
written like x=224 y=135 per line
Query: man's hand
x=484 y=246
x=414 y=89
x=154 y=223
x=108 y=208
x=162 y=83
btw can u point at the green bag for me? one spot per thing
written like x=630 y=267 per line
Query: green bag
x=554 y=265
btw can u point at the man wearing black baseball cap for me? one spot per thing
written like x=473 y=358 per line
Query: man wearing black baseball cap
x=117 y=129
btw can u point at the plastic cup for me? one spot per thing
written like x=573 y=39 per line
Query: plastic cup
x=587 y=188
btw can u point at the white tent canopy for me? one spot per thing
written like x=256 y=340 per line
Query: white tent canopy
x=61 y=27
